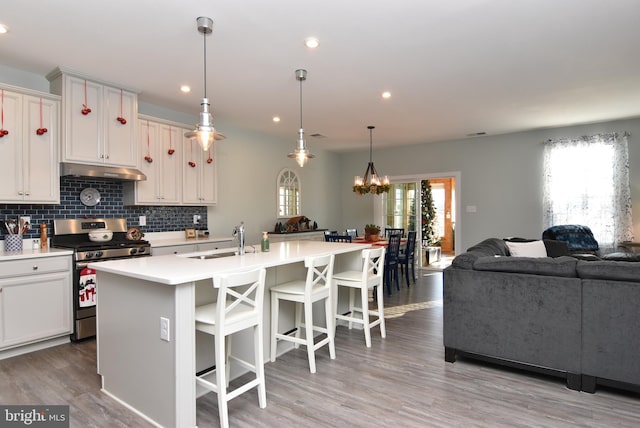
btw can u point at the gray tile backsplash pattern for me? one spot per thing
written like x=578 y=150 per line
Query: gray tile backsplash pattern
x=159 y=219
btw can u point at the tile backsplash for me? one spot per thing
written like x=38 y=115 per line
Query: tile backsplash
x=159 y=219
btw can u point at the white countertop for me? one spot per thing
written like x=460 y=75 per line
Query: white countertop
x=181 y=268
x=166 y=239
x=29 y=253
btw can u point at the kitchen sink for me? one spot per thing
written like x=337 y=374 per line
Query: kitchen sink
x=213 y=256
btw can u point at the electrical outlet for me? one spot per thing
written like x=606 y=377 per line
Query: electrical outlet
x=196 y=219
x=164 y=329
x=26 y=219
x=142 y=221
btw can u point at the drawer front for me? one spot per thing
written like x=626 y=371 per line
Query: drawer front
x=35 y=266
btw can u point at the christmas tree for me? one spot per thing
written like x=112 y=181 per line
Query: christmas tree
x=429 y=236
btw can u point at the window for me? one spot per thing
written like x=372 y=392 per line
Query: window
x=586 y=182
x=401 y=207
x=288 y=194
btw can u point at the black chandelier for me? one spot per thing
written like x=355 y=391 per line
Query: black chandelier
x=371 y=182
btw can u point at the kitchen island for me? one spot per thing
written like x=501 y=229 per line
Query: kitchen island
x=153 y=371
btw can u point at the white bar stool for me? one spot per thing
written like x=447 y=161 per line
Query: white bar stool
x=239 y=306
x=370 y=276
x=304 y=293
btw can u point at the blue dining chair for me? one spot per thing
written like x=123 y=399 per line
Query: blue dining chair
x=391 y=262
x=406 y=259
x=338 y=238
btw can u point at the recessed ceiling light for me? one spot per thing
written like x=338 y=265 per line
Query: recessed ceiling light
x=185 y=88
x=3 y=29
x=386 y=95
x=276 y=119
x=311 y=42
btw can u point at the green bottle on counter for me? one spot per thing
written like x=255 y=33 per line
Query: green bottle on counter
x=264 y=245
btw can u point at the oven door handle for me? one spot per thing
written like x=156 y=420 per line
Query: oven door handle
x=81 y=265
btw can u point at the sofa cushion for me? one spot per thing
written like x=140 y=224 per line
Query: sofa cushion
x=488 y=247
x=609 y=270
x=561 y=266
x=622 y=257
x=491 y=247
x=527 y=249
x=554 y=248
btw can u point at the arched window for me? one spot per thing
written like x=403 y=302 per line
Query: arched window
x=289 y=193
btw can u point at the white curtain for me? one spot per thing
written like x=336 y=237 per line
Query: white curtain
x=586 y=182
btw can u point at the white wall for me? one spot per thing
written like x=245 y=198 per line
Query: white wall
x=248 y=169
x=500 y=175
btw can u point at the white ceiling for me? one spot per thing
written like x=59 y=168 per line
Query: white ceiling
x=454 y=67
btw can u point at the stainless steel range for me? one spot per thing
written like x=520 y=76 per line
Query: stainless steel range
x=74 y=234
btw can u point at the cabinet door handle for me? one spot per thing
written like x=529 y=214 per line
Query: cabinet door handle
x=35 y=267
x=20 y=193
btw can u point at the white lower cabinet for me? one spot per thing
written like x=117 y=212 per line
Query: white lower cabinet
x=173 y=249
x=208 y=246
x=297 y=236
x=35 y=300
x=190 y=248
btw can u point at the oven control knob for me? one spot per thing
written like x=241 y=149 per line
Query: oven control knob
x=133 y=251
x=99 y=253
x=88 y=254
x=141 y=250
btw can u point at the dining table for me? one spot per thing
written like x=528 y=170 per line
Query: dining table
x=382 y=242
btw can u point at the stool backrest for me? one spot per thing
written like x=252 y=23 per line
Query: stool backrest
x=373 y=266
x=240 y=295
x=351 y=232
x=319 y=272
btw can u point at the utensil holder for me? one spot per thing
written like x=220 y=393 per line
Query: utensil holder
x=13 y=243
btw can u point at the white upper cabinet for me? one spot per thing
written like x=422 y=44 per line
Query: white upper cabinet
x=160 y=158
x=29 y=171
x=99 y=121
x=186 y=176
x=199 y=179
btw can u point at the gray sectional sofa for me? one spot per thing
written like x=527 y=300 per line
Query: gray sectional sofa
x=557 y=315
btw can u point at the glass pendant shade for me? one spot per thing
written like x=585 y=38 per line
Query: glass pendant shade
x=371 y=182
x=301 y=154
x=204 y=133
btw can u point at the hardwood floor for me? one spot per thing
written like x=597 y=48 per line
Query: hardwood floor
x=401 y=381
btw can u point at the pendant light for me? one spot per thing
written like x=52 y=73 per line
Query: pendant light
x=371 y=181
x=301 y=154
x=204 y=133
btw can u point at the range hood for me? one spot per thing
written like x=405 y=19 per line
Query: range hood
x=100 y=171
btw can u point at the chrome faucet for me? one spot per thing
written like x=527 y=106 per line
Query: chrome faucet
x=238 y=232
